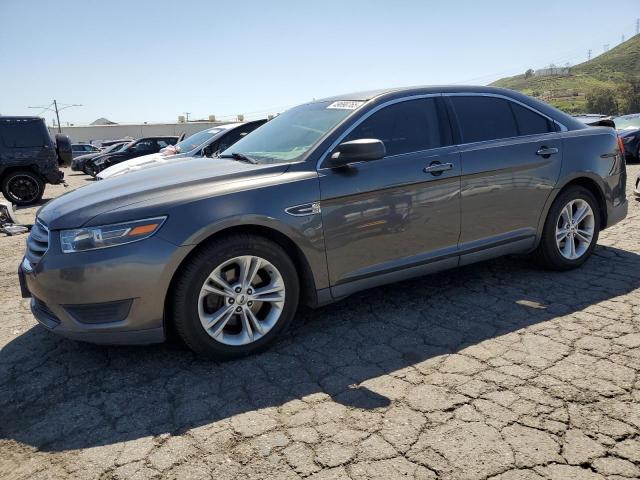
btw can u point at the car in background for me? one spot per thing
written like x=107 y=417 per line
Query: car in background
x=78 y=162
x=327 y=199
x=79 y=149
x=108 y=143
x=29 y=158
x=591 y=119
x=202 y=144
x=628 y=127
x=137 y=148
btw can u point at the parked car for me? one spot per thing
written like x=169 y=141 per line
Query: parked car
x=628 y=127
x=206 y=143
x=29 y=158
x=137 y=148
x=108 y=143
x=78 y=162
x=79 y=149
x=222 y=252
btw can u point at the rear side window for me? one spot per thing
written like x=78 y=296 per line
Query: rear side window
x=405 y=127
x=484 y=118
x=529 y=122
x=23 y=133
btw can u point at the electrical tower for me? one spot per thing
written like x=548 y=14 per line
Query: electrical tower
x=589 y=55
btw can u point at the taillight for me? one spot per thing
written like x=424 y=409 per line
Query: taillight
x=621 y=146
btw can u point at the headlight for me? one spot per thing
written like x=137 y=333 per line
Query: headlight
x=92 y=238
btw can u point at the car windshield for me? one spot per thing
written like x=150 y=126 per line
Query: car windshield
x=196 y=140
x=290 y=135
x=627 y=122
x=113 y=148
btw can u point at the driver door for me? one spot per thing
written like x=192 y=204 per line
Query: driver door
x=398 y=216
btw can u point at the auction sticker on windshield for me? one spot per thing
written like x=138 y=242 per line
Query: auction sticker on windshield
x=346 y=104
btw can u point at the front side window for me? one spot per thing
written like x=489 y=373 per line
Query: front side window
x=484 y=118
x=289 y=136
x=197 y=139
x=408 y=126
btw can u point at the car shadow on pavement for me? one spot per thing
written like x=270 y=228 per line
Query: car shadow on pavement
x=58 y=395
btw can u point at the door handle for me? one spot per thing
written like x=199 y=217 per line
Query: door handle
x=546 y=152
x=436 y=168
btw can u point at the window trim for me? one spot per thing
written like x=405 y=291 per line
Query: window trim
x=334 y=144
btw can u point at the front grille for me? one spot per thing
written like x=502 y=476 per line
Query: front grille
x=37 y=242
x=43 y=313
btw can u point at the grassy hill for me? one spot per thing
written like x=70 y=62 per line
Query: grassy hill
x=610 y=70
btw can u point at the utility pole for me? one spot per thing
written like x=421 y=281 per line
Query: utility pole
x=637 y=26
x=187 y=114
x=589 y=55
x=57 y=110
x=622 y=38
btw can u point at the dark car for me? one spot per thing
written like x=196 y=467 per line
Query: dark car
x=78 y=162
x=137 y=148
x=29 y=158
x=328 y=198
x=206 y=143
x=628 y=127
x=79 y=149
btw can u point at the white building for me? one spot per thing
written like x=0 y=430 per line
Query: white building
x=98 y=133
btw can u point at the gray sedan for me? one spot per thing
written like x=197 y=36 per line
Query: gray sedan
x=327 y=199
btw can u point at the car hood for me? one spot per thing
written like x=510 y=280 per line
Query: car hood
x=89 y=156
x=193 y=178
x=131 y=165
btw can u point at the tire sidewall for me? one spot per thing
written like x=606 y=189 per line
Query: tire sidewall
x=549 y=235
x=9 y=195
x=187 y=296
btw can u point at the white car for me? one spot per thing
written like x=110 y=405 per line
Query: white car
x=206 y=143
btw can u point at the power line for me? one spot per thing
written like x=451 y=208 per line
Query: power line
x=57 y=109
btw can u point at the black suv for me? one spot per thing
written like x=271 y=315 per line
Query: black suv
x=29 y=158
x=143 y=146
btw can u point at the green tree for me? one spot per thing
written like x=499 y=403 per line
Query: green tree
x=629 y=94
x=528 y=73
x=602 y=100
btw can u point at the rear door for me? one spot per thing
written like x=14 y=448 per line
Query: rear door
x=385 y=216
x=511 y=159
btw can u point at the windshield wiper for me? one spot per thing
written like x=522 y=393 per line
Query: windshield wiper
x=241 y=157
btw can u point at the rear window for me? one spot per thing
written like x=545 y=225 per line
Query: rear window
x=484 y=118
x=23 y=133
x=529 y=122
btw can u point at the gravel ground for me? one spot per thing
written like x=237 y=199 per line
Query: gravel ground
x=493 y=371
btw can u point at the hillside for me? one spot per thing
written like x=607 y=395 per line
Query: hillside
x=609 y=70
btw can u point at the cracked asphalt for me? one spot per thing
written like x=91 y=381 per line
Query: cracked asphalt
x=493 y=371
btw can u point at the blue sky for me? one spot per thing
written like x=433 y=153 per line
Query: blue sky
x=152 y=60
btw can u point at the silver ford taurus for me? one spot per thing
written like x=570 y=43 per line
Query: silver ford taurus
x=329 y=198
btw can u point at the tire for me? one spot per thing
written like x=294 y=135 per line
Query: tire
x=549 y=253
x=91 y=169
x=190 y=310
x=63 y=150
x=22 y=187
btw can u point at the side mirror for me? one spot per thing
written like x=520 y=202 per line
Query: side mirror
x=363 y=150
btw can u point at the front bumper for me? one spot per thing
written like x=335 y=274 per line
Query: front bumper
x=109 y=296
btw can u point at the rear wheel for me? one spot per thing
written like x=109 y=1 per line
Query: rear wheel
x=571 y=230
x=235 y=297
x=22 y=187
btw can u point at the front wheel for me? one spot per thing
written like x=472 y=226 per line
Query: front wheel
x=235 y=297
x=571 y=230
x=22 y=187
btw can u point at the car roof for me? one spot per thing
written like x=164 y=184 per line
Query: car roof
x=19 y=117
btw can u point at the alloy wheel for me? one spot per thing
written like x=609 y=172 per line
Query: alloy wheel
x=241 y=300
x=575 y=229
x=23 y=188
